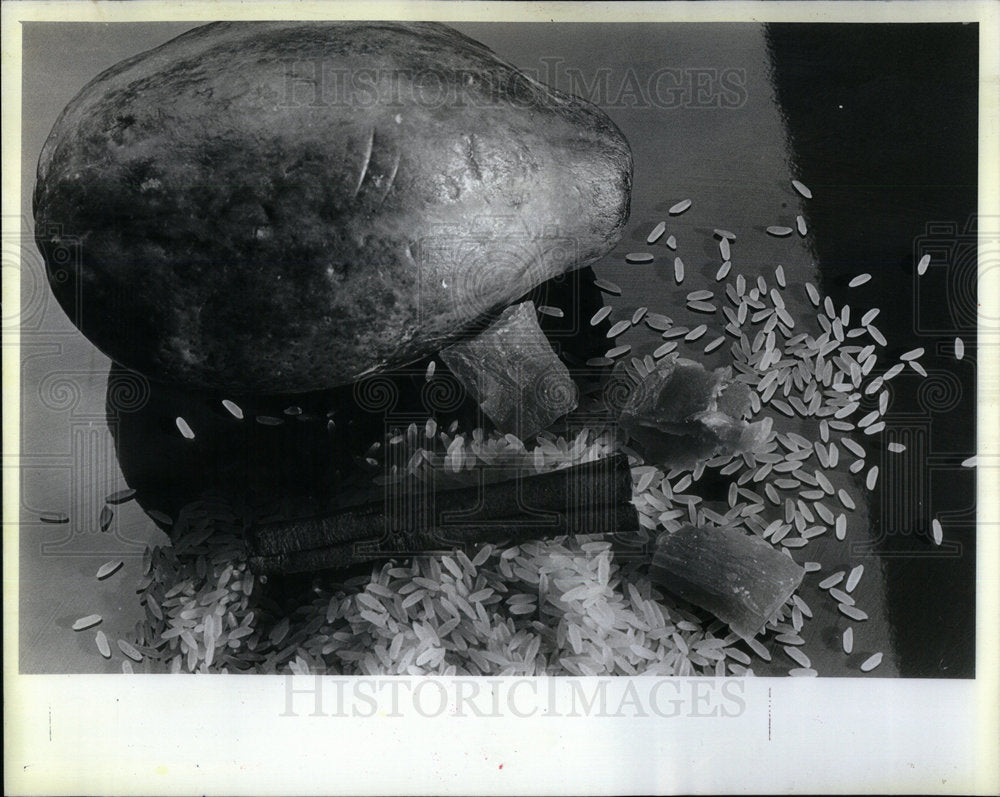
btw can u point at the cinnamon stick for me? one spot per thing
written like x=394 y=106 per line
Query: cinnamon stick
x=595 y=498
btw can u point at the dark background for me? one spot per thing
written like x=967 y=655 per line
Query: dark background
x=879 y=120
x=884 y=119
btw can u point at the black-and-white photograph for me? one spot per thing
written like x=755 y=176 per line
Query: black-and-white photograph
x=416 y=348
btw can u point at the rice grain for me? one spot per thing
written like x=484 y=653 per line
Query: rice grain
x=186 y=431
x=871 y=662
x=852 y=611
x=802 y=189
x=108 y=569
x=600 y=315
x=618 y=328
x=87 y=622
x=608 y=287
x=233 y=409
x=102 y=644
x=129 y=650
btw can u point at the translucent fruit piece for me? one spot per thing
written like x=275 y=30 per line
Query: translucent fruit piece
x=681 y=413
x=741 y=579
x=513 y=373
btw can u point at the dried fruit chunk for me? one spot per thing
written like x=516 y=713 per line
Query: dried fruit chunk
x=682 y=413
x=513 y=373
x=740 y=578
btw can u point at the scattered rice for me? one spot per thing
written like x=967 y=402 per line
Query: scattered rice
x=854 y=577
x=233 y=409
x=658 y=322
x=831 y=581
x=797 y=656
x=608 y=287
x=848 y=639
x=897 y=448
x=937 y=532
x=922 y=265
x=105 y=518
x=120 y=497
x=713 y=345
x=639 y=257
x=859 y=280
x=959 y=348
x=129 y=650
x=544 y=309
x=802 y=189
x=852 y=611
x=912 y=354
x=102 y=644
x=800 y=224
x=671 y=242
x=184 y=428
x=665 y=349
x=802 y=672
x=566 y=605
x=854 y=447
x=871 y=662
x=779 y=231
x=87 y=622
x=872 y=478
x=108 y=569
x=600 y=315
x=618 y=328
x=680 y=207
x=724 y=249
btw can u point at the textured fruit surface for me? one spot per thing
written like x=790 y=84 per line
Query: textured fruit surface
x=283 y=207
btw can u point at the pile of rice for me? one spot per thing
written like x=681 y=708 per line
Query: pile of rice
x=576 y=605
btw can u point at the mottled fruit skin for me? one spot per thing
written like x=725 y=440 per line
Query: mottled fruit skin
x=282 y=207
